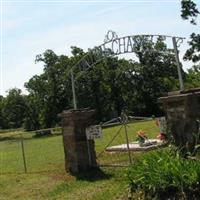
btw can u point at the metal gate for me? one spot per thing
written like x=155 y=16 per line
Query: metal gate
x=119 y=158
x=114 y=148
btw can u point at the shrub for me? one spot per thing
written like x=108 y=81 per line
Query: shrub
x=160 y=175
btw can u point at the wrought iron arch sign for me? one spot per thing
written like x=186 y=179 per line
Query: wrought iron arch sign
x=114 y=45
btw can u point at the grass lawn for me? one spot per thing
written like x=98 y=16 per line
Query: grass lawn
x=46 y=177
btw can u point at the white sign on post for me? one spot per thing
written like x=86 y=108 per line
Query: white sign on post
x=93 y=132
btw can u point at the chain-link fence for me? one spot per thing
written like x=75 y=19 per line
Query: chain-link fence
x=31 y=152
x=42 y=151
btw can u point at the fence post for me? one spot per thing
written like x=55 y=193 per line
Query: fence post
x=23 y=154
x=127 y=142
x=89 y=153
x=124 y=121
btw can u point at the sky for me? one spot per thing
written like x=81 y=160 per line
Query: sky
x=28 y=28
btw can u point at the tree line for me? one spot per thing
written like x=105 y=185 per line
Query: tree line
x=109 y=86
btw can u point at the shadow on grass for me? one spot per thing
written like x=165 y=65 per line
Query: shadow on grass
x=94 y=174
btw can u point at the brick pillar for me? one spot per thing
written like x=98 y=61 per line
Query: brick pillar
x=79 y=152
x=182 y=112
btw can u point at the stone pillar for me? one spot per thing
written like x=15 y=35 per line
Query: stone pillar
x=182 y=112
x=79 y=152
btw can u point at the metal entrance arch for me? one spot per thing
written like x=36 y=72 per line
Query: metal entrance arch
x=114 y=45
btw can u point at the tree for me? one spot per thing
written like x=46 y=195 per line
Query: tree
x=2 y=120
x=193 y=53
x=32 y=113
x=51 y=91
x=193 y=77
x=13 y=110
x=154 y=75
x=190 y=12
x=109 y=86
x=114 y=84
x=105 y=86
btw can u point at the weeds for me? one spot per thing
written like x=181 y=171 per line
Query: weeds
x=160 y=175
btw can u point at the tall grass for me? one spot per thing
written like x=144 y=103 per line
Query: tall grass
x=160 y=175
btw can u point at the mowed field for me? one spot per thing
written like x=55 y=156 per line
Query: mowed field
x=46 y=177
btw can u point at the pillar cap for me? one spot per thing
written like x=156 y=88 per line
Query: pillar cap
x=177 y=95
x=78 y=114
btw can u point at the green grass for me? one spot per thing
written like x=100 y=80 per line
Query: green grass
x=46 y=177
x=42 y=154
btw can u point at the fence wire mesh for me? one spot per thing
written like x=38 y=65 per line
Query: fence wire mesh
x=46 y=153
x=26 y=152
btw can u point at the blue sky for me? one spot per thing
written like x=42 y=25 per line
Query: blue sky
x=31 y=27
